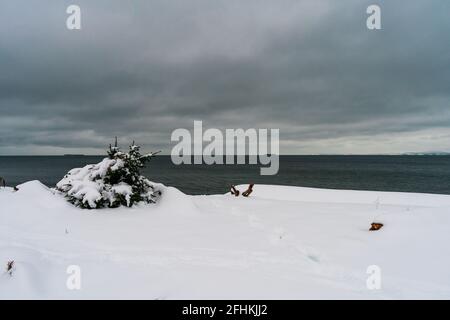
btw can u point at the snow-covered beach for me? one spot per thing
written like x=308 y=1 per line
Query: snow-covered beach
x=280 y=243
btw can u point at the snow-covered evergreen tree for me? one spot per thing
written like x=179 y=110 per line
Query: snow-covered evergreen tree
x=115 y=181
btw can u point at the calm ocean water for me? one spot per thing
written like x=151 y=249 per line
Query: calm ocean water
x=429 y=174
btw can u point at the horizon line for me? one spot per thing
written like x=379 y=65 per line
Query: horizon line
x=290 y=154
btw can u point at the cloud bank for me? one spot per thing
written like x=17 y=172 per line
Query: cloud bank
x=141 y=69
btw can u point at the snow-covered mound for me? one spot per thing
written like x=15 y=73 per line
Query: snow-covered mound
x=281 y=242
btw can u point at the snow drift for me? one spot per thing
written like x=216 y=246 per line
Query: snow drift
x=280 y=243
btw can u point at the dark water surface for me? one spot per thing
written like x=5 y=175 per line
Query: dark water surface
x=428 y=174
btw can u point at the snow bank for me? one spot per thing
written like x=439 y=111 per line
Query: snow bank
x=281 y=242
x=289 y=193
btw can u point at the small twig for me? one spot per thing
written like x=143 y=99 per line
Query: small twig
x=151 y=154
x=10 y=267
x=2 y=182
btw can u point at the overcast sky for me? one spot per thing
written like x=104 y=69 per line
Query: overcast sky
x=140 y=69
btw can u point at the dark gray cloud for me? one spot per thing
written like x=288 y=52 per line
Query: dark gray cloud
x=141 y=69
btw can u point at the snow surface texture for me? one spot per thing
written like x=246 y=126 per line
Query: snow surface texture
x=280 y=243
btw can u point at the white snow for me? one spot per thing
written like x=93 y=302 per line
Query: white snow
x=87 y=183
x=123 y=189
x=280 y=243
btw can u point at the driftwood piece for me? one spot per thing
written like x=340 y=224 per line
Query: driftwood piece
x=246 y=193
x=249 y=190
x=234 y=191
x=375 y=226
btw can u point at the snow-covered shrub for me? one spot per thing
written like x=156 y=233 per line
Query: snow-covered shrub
x=114 y=182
